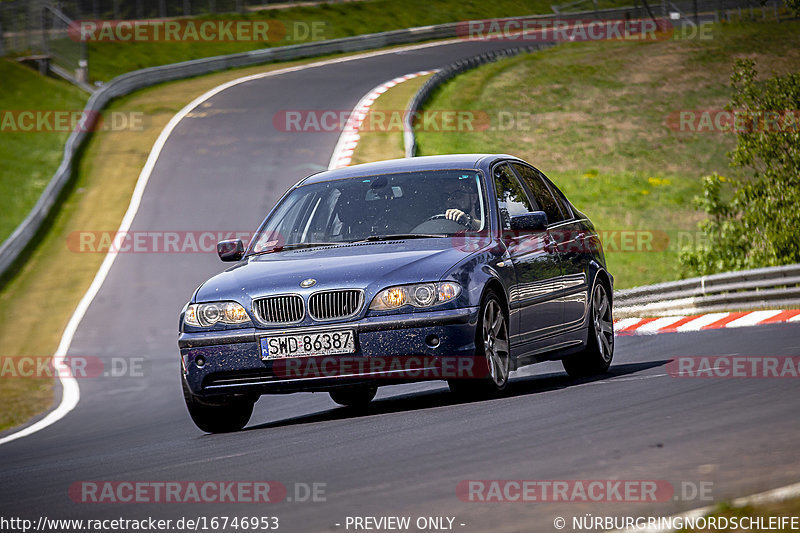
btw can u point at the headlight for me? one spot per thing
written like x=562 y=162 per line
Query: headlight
x=204 y=315
x=419 y=295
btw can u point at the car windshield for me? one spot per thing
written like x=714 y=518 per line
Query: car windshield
x=409 y=204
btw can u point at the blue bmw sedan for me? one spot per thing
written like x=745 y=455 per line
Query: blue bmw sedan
x=460 y=268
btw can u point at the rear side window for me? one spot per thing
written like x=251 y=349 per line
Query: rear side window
x=562 y=200
x=541 y=192
x=511 y=197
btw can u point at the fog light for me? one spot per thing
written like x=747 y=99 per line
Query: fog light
x=200 y=361
x=432 y=341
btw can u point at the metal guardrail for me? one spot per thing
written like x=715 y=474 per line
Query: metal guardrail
x=21 y=20
x=760 y=288
x=124 y=84
x=445 y=74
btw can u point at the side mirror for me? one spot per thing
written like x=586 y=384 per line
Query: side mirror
x=232 y=250
x=536 y=221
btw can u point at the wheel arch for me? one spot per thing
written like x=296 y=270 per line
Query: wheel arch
x=605 y=278
x=496 y=286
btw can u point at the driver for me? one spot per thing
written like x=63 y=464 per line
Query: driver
x=463 y=200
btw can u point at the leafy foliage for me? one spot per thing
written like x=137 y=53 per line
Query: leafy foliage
x=754 y=222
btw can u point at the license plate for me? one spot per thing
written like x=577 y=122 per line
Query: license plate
x=308 y=344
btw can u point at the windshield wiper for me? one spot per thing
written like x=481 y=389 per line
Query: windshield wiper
x=395 y=236
x=296 y=246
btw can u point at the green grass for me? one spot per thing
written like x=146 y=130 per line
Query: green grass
x=109 y=59
x=597 y=126
x=389 y=108
x=29 y=157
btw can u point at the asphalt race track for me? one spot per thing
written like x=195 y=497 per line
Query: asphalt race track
x=223 y=167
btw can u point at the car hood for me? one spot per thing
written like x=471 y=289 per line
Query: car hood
x=369 y=266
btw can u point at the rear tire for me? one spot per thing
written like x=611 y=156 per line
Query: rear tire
x=354 y=397
x=491 y=348
x=596 y=357
x=222 y=417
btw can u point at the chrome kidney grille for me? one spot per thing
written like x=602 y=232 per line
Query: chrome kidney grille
x=279 y=309
x=329 y=305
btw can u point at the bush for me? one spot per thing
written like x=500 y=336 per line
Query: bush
x=754 y=221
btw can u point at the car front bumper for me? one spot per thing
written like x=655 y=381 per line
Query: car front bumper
x=389 y=349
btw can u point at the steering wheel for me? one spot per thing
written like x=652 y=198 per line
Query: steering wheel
x=444 y=216
x=438 y=224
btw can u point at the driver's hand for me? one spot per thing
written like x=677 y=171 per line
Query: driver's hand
x=455 y=215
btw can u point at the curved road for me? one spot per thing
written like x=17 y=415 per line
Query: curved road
x=221 y=169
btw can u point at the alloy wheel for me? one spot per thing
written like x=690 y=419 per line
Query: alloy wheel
x=603 y=323
x=495 y=343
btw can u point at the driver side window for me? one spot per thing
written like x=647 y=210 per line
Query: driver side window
x=511 y=198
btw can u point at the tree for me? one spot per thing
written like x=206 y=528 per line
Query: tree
x=755 y=221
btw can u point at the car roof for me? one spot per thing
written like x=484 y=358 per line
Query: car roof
x=409 y=164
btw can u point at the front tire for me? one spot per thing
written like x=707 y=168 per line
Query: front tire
x=354 y=397
x=492 y=349
x=596 y=357
x=222 y=417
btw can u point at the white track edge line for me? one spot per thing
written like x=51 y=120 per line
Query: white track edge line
x=70 y=391
x=350 y=135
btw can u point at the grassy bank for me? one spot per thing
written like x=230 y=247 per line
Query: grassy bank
x=593 y=117
x=379 y=142
x=29 y=157
x=305 y=24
